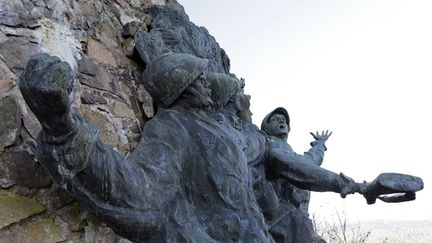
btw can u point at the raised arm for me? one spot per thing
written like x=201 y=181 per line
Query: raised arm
x=315 y=154
x=120 y=191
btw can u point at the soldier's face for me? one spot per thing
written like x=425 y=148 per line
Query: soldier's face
x=241 y=103
x=277 y=126
x=199 y=93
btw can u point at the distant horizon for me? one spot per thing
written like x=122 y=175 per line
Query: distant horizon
x=389 y=230
x=358 y=68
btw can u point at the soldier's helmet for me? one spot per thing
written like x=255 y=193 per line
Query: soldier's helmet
x=166 y=77
x=222 y=87
x=279 y=110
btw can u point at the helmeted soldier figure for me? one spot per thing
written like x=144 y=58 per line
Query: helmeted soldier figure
x=292 y=223
x=187 y=180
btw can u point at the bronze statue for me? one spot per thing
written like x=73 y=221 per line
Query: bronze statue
x=292 y=223
x=189 y=178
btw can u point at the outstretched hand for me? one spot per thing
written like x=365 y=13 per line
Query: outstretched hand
x=321 y=137
x=46 y=84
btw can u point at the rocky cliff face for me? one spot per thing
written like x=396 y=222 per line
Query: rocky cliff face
x=97 y=38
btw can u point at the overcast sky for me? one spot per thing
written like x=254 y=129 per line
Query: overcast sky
x=358 y=68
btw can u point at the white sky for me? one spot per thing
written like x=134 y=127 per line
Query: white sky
x=358 y=68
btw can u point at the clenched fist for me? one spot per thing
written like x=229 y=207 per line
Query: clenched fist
x=46 y=84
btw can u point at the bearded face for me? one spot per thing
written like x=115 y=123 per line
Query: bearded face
x=199 y=94
x=242 y=104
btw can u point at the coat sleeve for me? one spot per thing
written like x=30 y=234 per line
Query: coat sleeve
x=315 y=155
x=303 y=175
x=128 y=195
